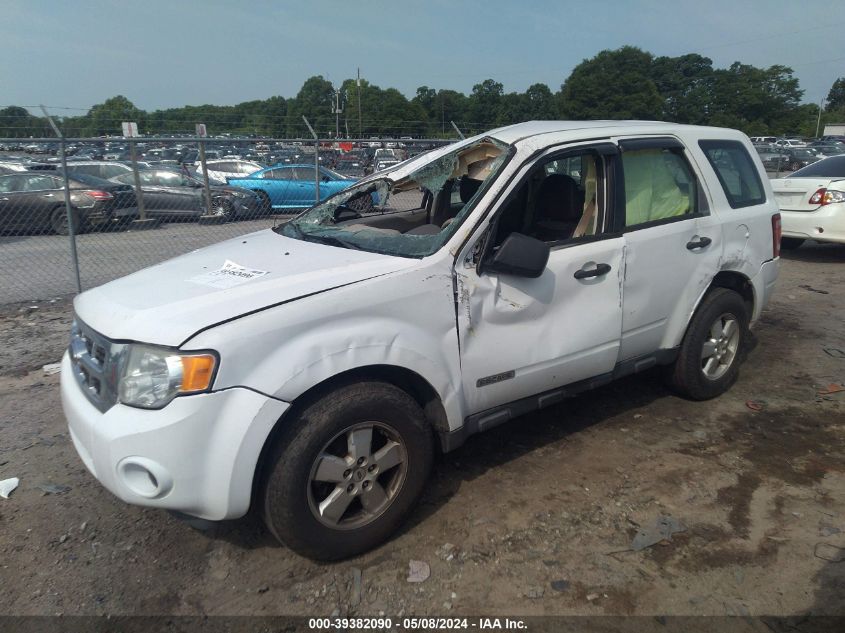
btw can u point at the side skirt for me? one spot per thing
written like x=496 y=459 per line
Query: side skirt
x=491 y=418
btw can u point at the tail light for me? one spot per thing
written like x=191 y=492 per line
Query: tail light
x=98 y=195
x=827 y=196
x=777 y=232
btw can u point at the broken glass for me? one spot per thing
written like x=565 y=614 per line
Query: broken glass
x=410 y=216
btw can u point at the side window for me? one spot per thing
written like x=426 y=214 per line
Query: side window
x=91 y=170
x=560 y=200
x=305 y=173
x=110 y=171
x=126 y=179
x=736 y=172
x=169 y=179
x=659 y=185
x=38 y=183
x=8 y=184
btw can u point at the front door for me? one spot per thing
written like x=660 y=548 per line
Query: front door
x=522 y=336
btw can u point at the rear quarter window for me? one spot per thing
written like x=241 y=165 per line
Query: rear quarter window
x=736 y=172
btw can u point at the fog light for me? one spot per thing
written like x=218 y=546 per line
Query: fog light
x=144 y=477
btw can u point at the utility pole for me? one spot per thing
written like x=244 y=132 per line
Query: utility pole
x=360 y=133
x=337 y=111
x=819 y=121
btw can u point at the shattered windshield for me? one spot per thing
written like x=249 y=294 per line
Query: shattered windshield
x=411 y=216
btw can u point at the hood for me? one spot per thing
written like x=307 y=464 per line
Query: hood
x=167 y=303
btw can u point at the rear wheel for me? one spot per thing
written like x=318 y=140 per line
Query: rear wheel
x=790 y=243
x=709 y=358
x=347 y=471
x=59 y=221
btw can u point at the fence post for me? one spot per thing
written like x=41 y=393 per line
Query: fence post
x=206 y=186
x=316 y=161
x=458 y=130
x=139 y=195
x=68 y=209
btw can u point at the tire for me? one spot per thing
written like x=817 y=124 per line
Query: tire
x=59 y=224
x=322 y=503
x=264 y=206
x=710 y=354
x=790 y=243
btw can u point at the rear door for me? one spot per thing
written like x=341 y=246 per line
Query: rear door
x=672 y=243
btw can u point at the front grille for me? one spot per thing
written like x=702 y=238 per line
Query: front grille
x=95 y=361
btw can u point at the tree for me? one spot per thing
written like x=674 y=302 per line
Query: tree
x=484 y=104
x=685 y=84
x=16 y=121
x=766 y=99
x=540 y=103
x=836 y=96
x=612 y=85
x=314 y=100
x=106 y=117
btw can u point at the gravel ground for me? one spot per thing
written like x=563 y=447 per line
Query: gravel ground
x=536 y=517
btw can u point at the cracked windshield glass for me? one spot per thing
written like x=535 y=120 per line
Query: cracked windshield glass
x=410 y=216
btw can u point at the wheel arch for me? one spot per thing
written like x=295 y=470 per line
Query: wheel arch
x=739 y=283
x=405 y=379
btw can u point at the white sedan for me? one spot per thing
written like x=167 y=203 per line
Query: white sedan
x=812 y=203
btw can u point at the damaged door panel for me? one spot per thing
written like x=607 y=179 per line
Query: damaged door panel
x=523 y=336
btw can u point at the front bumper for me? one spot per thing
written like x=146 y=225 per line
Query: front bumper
x=825 y=224
x=197 y=455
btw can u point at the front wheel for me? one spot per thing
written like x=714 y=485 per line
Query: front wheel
x=347 y=470
x=709 y=358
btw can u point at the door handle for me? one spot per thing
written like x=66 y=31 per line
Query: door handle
x=48 y=195
x=598 y=271
x=4 y=199
x=701 y=242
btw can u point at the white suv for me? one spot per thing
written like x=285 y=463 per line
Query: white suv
x=313 y=370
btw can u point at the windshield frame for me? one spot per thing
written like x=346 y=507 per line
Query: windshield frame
x=292 y=228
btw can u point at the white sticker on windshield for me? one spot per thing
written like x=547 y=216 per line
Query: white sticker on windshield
x=228 y=275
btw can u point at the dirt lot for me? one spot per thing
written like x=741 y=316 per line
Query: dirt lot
x=536 y=517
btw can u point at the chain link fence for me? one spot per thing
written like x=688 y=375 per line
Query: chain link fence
x=110 y=207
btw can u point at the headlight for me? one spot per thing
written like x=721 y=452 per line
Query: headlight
x=153 y=376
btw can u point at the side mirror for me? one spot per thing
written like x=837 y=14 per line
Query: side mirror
x=521 y=256
x=325 y=179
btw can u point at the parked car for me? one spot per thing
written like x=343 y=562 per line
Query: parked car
x=790 y=143
x=169 y=193
x=219 y=171
x=812 y=203
x=99 y=168
x=828 y=148
x=798 y=157
x=34 y=201
x=291 y=186
x=309 y=370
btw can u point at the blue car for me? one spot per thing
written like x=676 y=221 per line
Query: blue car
x=291 y=186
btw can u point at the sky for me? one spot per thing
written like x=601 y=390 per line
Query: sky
x=70 y=55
